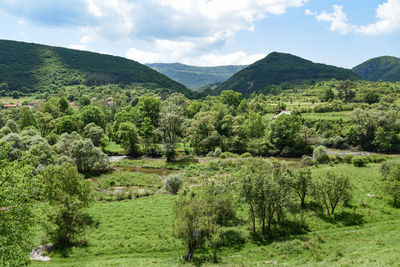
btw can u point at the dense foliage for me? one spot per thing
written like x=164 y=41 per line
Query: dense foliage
x=380 y=69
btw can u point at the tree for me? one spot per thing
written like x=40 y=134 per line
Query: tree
x=127 y=135
x=320 y=155
x=173 y=183
x=266 y=191
x=170 y=127
x=17 y=191
x=67 y=124
x=328 y=95
x=94 y=133
x=84 y=101
x=87 y=157
x=391 y=183
x=371 y=97
x=346 y=90
x=26 y=117
x=284 y=134
x=231 y=98
x=148 y=106
x=301 y=183
x=63 y=104
x=332 y=190
x=45 y=123
x=92 y=114
x=68 y=195
x=203 y=135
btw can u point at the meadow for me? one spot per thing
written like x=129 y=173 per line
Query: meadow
x=138 y=231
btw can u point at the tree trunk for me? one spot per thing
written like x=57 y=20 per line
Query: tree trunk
x=189 y=255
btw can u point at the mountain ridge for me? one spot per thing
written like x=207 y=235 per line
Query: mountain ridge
x=35 y=67
x=278 y=68
x=385 y=68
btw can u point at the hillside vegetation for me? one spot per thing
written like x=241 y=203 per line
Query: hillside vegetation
x=278 y=68
x=195 y=77
x=27 y=67
x=380 y=69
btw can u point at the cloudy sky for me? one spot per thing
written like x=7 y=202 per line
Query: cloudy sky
x=210 y=32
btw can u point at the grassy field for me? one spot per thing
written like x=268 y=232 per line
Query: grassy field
x=138 y=232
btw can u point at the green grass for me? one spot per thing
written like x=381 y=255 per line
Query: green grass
x=129 y=179
x=114 y=148
x=138 y=232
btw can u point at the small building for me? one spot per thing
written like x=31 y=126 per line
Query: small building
x=7 y=106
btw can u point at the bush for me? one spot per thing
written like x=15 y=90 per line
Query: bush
x=360 y=161
x=320 y=155
x=306 y=161
x=226 y=155
x=174 y=183
x=217 y=152
x=246 y=155
x=348 y=158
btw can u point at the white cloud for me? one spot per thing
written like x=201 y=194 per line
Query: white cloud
x=338 y=20
x=168 y=54
x=387 y=14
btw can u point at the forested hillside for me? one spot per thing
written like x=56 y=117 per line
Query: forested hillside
x=195 y=77
x=278 y=68
x=380 y=69
x=27 y=67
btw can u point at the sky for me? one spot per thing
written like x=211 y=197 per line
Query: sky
x=344 y=33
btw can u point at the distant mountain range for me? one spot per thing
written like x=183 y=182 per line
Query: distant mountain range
x=278 y=68
x=195 y=77
x=380 y=69
x=31 y=67
x=28 y=67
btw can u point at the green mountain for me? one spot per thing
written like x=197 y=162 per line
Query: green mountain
x=28 y=67
x=380 y=69
x=279 y=68
x=195 y=77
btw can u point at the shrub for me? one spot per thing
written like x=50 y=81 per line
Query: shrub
x=246 y=155
x=348 y=158
x=174 y=183
x=320 y=155
x=360 y=161
x=226 y=155
x=217 y=152
x=306 y=161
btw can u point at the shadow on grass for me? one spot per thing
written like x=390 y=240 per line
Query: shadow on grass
x=345 y=217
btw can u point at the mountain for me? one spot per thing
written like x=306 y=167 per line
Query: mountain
x=31 y=67
x=195 y=77
x=380 y=69
x=278 y=68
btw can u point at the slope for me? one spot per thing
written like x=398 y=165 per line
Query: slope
x=28 y=67
x=278 y=68
x=384 y=68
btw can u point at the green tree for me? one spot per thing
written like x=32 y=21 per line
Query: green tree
x=333 y=189
x=68 y=195
x=17 y=193
x=346 y=91
x=127 y=135
x=148 y=106
x=94 y=133
x=67 y=124
x=203 y=135
x=170 y=127
x=26 y=117
x=231 y=98
x=391 y=184
x=284 y=134
x=84 y=101
x=63 y=104
x=301 y=183
x=327 y=95
x=93 y=114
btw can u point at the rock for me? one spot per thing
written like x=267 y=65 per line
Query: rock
x=271 y=262
x=370 y=196
x=37 y=253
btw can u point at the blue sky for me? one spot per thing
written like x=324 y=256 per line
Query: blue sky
x=210 y=32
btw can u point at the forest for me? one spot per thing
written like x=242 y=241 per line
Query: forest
x=122 y=175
